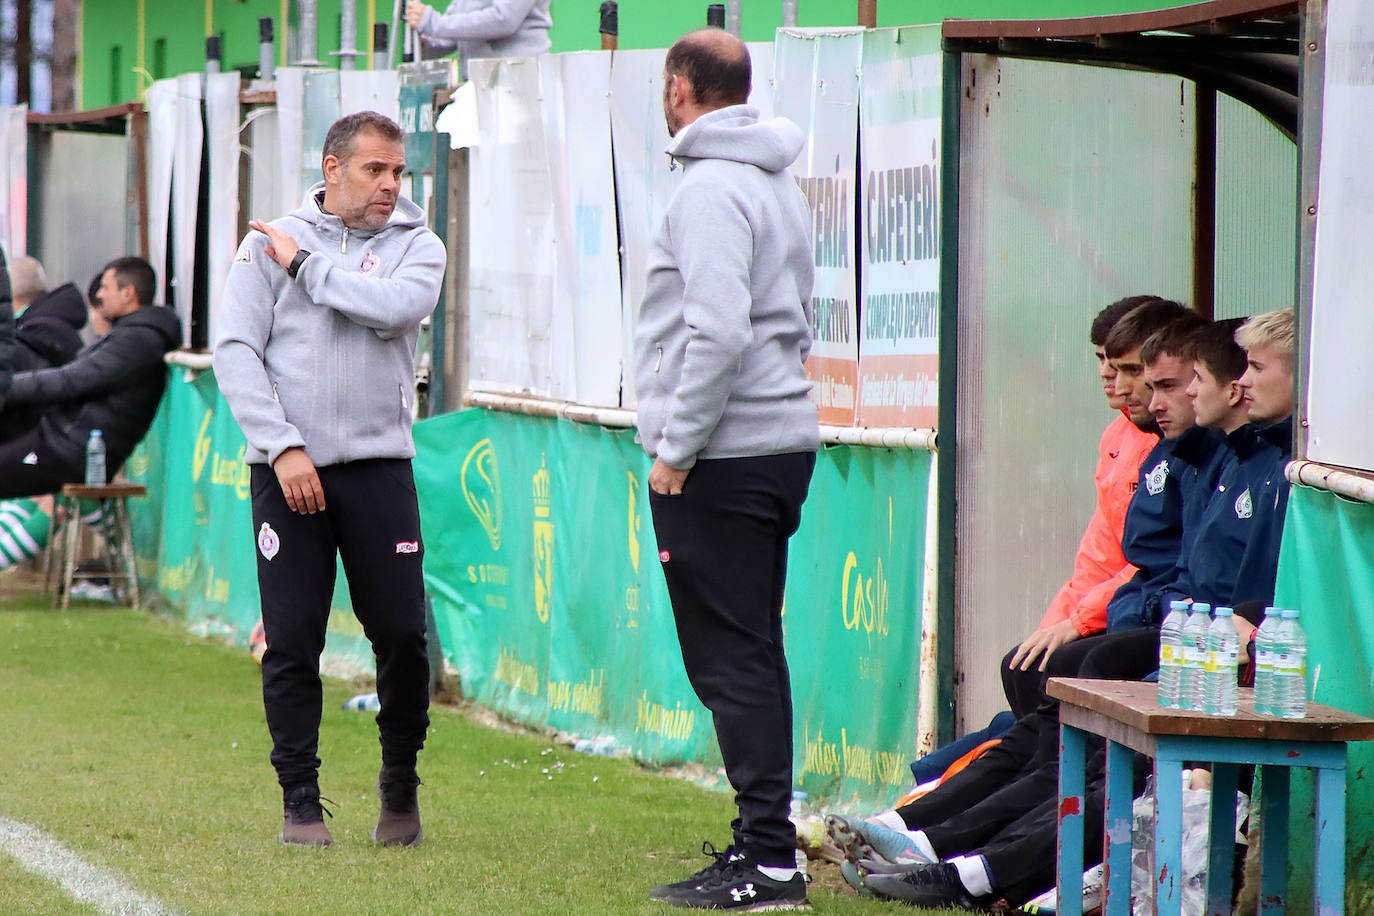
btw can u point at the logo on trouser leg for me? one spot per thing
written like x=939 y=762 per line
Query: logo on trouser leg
x=268 y=542
x=407 y=546
x=664 y=556
x=31 y=458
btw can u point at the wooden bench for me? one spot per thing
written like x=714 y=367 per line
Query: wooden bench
x=64 y=538
x=1128 y=715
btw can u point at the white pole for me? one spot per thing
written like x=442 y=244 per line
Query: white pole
x=928 y=691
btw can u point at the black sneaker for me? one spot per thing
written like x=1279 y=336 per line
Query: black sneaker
x=718 y=861
x=303 y=817
x=739 y=885
x=923 y=885
x=399 y=821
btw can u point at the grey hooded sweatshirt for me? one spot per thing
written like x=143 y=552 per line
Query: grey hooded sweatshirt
x=725 y=326
x=489 y=28
x=326 y=361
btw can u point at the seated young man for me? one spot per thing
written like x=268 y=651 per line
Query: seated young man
x=1232 y=560
x=114 y=385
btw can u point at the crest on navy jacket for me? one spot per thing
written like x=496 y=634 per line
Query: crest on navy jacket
x=1155 y=480
x=1244 y=507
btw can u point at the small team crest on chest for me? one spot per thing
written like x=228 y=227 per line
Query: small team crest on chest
x=1244 y=507
x=268 y=542
x=370 y=263
x=1155 y=480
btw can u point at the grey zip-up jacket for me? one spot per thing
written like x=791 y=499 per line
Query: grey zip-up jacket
x=725 y=326
x=326 y=361
x=489 y=28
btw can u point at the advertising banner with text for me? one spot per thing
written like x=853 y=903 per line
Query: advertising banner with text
x=900 y=269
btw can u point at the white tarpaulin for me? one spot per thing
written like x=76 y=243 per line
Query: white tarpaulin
x=816 y=85
x=369 y=90
x=1342 y=322
x=291 y=183
x=190 y=141
x=162 y=102
x=900 y=195
x=222 y=136
x=14 y=181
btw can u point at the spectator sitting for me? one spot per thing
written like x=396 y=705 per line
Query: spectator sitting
x=482 y=28
x=46 y=322
x=114 y=385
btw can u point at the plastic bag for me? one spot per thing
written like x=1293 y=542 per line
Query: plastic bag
x=1196 y=810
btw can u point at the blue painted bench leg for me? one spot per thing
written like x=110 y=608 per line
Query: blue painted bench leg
x=1071 y=767
x=1222 y=839
x=1274 y=840
x=1168 y=830
x=1328 y=879
x=1117 y=880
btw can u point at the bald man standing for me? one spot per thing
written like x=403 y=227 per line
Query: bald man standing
x=725 y=412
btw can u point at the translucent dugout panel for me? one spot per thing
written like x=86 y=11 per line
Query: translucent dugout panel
x=83 y=209
x=1076 y=187
x=1257 y=213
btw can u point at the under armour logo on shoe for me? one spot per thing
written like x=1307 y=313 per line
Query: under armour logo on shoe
x=739 y=894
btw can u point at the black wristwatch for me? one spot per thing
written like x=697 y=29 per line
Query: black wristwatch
x=296 y=262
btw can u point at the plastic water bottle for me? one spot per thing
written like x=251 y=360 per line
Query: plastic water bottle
x=1219 y=676
x=1171 y=653
x=1264 y=661
x=95 y=459
x=1290 y=668
x=1194 y=656
x=363 y=702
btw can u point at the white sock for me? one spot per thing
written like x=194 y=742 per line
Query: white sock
x=923 y=843
x=890 y=819
x=778 y=873
x=973 y=874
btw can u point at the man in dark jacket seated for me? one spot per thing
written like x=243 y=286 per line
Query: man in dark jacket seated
x=114 y=385
x=46 y=326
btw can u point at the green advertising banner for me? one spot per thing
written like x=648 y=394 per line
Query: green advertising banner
x=1326 y=571
x=541 y=564
x=193 y=534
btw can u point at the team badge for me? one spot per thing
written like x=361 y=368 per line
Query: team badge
x=268 y=542
x=1244 y=507
x=664 y=556
x=1155 y=480
x=31 y=458
x=370 y=263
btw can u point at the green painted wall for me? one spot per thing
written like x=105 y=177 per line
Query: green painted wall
x=128 y=43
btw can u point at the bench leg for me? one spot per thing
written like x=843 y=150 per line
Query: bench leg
x=1328 y=879
x=126 y=551
x=1221 y=839
x=1116 y=881
x=1168 y=834
x=1071 y=766
x=72 y=541
x=1274 y=840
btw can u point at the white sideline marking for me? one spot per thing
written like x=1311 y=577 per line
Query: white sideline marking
x=89 y=884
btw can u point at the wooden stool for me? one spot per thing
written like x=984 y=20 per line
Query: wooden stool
x=64 y=536
x=1128 y=715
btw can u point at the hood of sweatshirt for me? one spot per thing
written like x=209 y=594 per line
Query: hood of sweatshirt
x=158 y=318
x=65 y=304
x=736 y=133
x=407 y=215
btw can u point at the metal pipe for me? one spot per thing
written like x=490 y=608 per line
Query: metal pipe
x=868 y=13
x=348 y=35
x=381 y=58
x=715 y=16
x=789 y=14
x=928 y=692
x=1333 y=480
x=308 y=33
x=734 y=17
x=873 y=437
x=267 y=59
x=610 y=25
x=212 y=54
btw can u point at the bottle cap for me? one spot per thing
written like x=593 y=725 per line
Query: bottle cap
x=1202 y=606
x=1224 y=611
x=1178 y=605
x=1272 y=612
x=1289 y=613
x=96 y=434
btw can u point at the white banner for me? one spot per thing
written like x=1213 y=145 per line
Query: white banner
x=190 y=141
x=14 y=181
x=900 y=269
x=162 y=102
x=222 y=136
x=290 y=183
x=816 y=85
x=369 y=90
x=1342 y=322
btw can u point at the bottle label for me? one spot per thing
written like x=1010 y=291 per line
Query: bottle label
x=1166 y=655
x=1264 y=660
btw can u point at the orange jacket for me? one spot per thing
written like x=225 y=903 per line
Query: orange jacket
x=1099 y=568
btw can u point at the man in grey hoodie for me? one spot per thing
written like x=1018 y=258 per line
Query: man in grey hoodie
x=320 y=317
x=725 y=411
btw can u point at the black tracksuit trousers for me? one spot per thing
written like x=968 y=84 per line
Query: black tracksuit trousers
x=723 y=546
x=371 y=522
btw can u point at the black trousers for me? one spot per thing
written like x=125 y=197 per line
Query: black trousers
x=1023 y=689
x=723 y=547
x=29 y=467
x=372 y=523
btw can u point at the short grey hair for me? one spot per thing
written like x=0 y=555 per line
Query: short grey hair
x=28 y=280
x=339 y=141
